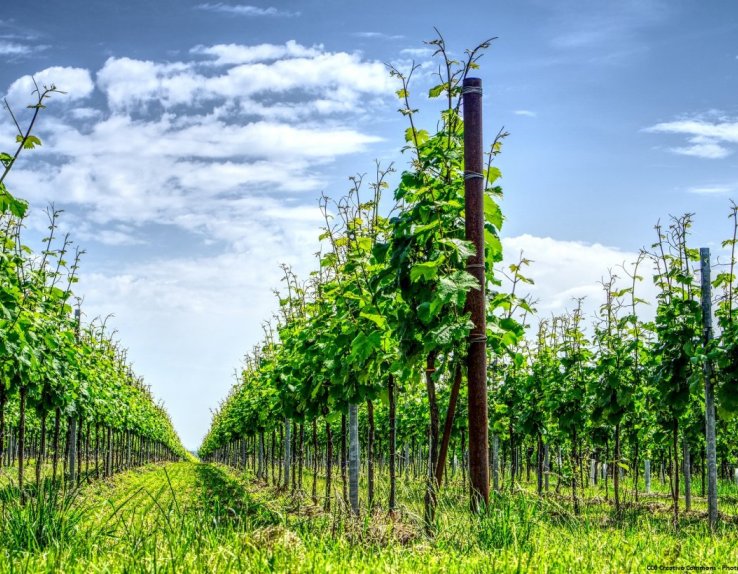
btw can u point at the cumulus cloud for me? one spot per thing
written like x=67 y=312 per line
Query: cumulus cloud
x=128 y=83
x=152 y=172
x=707 y=139
x=250 y=72
x=199 y=148
x=76 y=82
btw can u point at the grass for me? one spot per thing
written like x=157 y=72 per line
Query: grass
x=190 y=517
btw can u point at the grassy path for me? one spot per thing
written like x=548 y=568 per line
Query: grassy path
x=189 y=517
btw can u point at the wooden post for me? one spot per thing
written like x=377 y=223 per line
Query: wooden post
x=477 y=356
x=712 y=508
x=447 y=428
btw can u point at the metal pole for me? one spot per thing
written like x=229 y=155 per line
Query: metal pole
x=354 y=458
x=73 y=419
x=477 y=357
x=287 y=453
x=712 y=509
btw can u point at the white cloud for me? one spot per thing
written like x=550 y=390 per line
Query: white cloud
x=565 y=270
x=336 y=77
x=129 y=83
x=122 y=235
x=76 y=82
x=707 y=138
x=141 y=172
x=85 y=113
x=15 y=49
x=526 y=113
x=210 y=138
x=708 y=150
x=212 y=166
x=245 y=10
x=378 y=35
x=417 y=52
x=711 y=189
x=725 y=130
x=226 y=54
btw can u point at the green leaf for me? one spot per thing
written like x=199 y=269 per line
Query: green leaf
x=29 y=142
x=379 y=251
x=463 y=248
x=426 y=271
x=436 y=91
x=492 y=174
x=378 y=320
x=424 y=312
x=458 y=283
x=493 y=246
x=364 y=345
x=328 y=260
x=492 y=212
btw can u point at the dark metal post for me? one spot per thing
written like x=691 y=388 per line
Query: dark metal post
x=712 y=509
x=477 y=358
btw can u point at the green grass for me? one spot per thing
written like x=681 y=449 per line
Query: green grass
x=189 y=517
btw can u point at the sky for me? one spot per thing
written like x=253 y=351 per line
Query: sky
x=195 y=138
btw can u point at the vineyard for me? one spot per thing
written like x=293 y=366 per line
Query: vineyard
x=407 y=408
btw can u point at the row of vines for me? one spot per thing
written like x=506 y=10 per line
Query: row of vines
x=360 y=377
x=70 y=404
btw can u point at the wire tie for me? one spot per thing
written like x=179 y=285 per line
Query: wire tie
x=472 y=175
x=471 y=90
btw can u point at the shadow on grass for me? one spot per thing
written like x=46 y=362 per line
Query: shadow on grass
x=228 y=501
x=650 y=514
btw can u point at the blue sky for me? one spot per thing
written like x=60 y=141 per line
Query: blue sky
x=196 y=137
